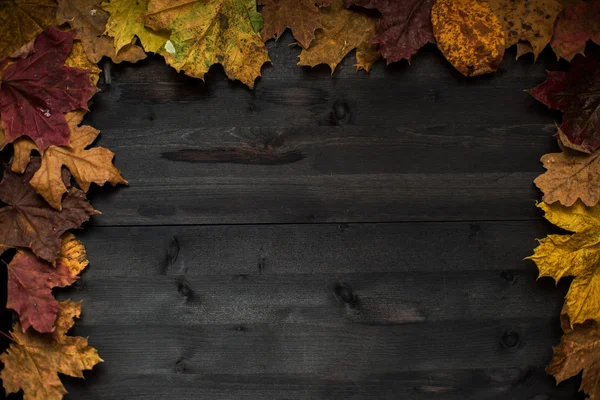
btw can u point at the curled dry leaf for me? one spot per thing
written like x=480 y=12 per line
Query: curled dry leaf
x=89 y=20
x=207 y=33
x=576 y=255
x=124 y=24
x=36 y=92
x=22 y=20
x=32 y=363
x=577 y=94
x=28 y=221
x=30 y=283
x=72 y=254
x=87 y=166
x=469 y=35
x=570 y=175
x=343 y=31
x=404 y=28
x=301 y=16
x=531 y=21
x=574 y=27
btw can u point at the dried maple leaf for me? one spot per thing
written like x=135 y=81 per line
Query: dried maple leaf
x=36 y=92
x=28 y=221
x=343 y=30
x=577 y=94
x=78 y=59
x=404 y=28
x=124 y=25
x=23 y=20
x=469 y=35
x=89 y=20
x=32 y=363
x=204 y=33
x=86 y=166
x=529 y=21
x=571 y=175
x=30 y=283
x=301 y=16
x=579 y=350
x=574 y=27
x=576 y=255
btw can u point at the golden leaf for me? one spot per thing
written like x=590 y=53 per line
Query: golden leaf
x=78 y=59
x=22 y=20
x=72 y=254
x=124 y=25
x=343 y=31
x=570 y=176
x=32 y=363
x=576 y=255
x=469 y=35
x=207 y=32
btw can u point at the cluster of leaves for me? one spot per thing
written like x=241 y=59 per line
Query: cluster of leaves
x=45 y=87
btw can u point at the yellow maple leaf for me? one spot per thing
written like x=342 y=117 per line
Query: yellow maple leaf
x=32 y=363
x=22 y=20
x=343 y=31
x=469 y=35
x=207 y=32
x=576 y=255
x=124 y=24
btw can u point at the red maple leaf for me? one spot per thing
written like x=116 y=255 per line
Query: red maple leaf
x=37 y=91
x=30 y=283
x=577 y=94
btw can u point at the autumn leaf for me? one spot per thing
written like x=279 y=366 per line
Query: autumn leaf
x=469 y=35
x=86 y=166
x=301 y=16
x=124 y=25
x=531 y=21
x=27 y=221
x=89 y=20
x=30 y=283
x=204 y=33
x=577 y=94
x=574 y=27
x=343 y=31
x=78 y=59
x=571 y=176
x=32 y=363
x=579 y=350
x=22 y=20
x=36 y=92
x=72 y=254
x=576 y=255
x=404 y=28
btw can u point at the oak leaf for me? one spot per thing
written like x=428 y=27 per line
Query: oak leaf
x=574 y=27
x=578 y=350
x=22 y=20
x=576 y=255
x=301 y=16
x=570 y=175
x=28 y=221
x=89 y=20
x=124 y=25
x=527 y=21
x=36 y=92
x=469 y=35
x=86 y=165
x=30 y=283
x=32 y=363
x=343 y=30
x=404 y=28
x=204 y=33
x=577 y=94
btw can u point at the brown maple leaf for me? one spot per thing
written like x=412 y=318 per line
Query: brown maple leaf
x=301 y=16
x=32 y=363
x=30 y=283
x=28 y=221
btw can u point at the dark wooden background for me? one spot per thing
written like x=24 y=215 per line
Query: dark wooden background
x=355 y=236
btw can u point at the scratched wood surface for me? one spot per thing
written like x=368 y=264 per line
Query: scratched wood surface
x=355 y=236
